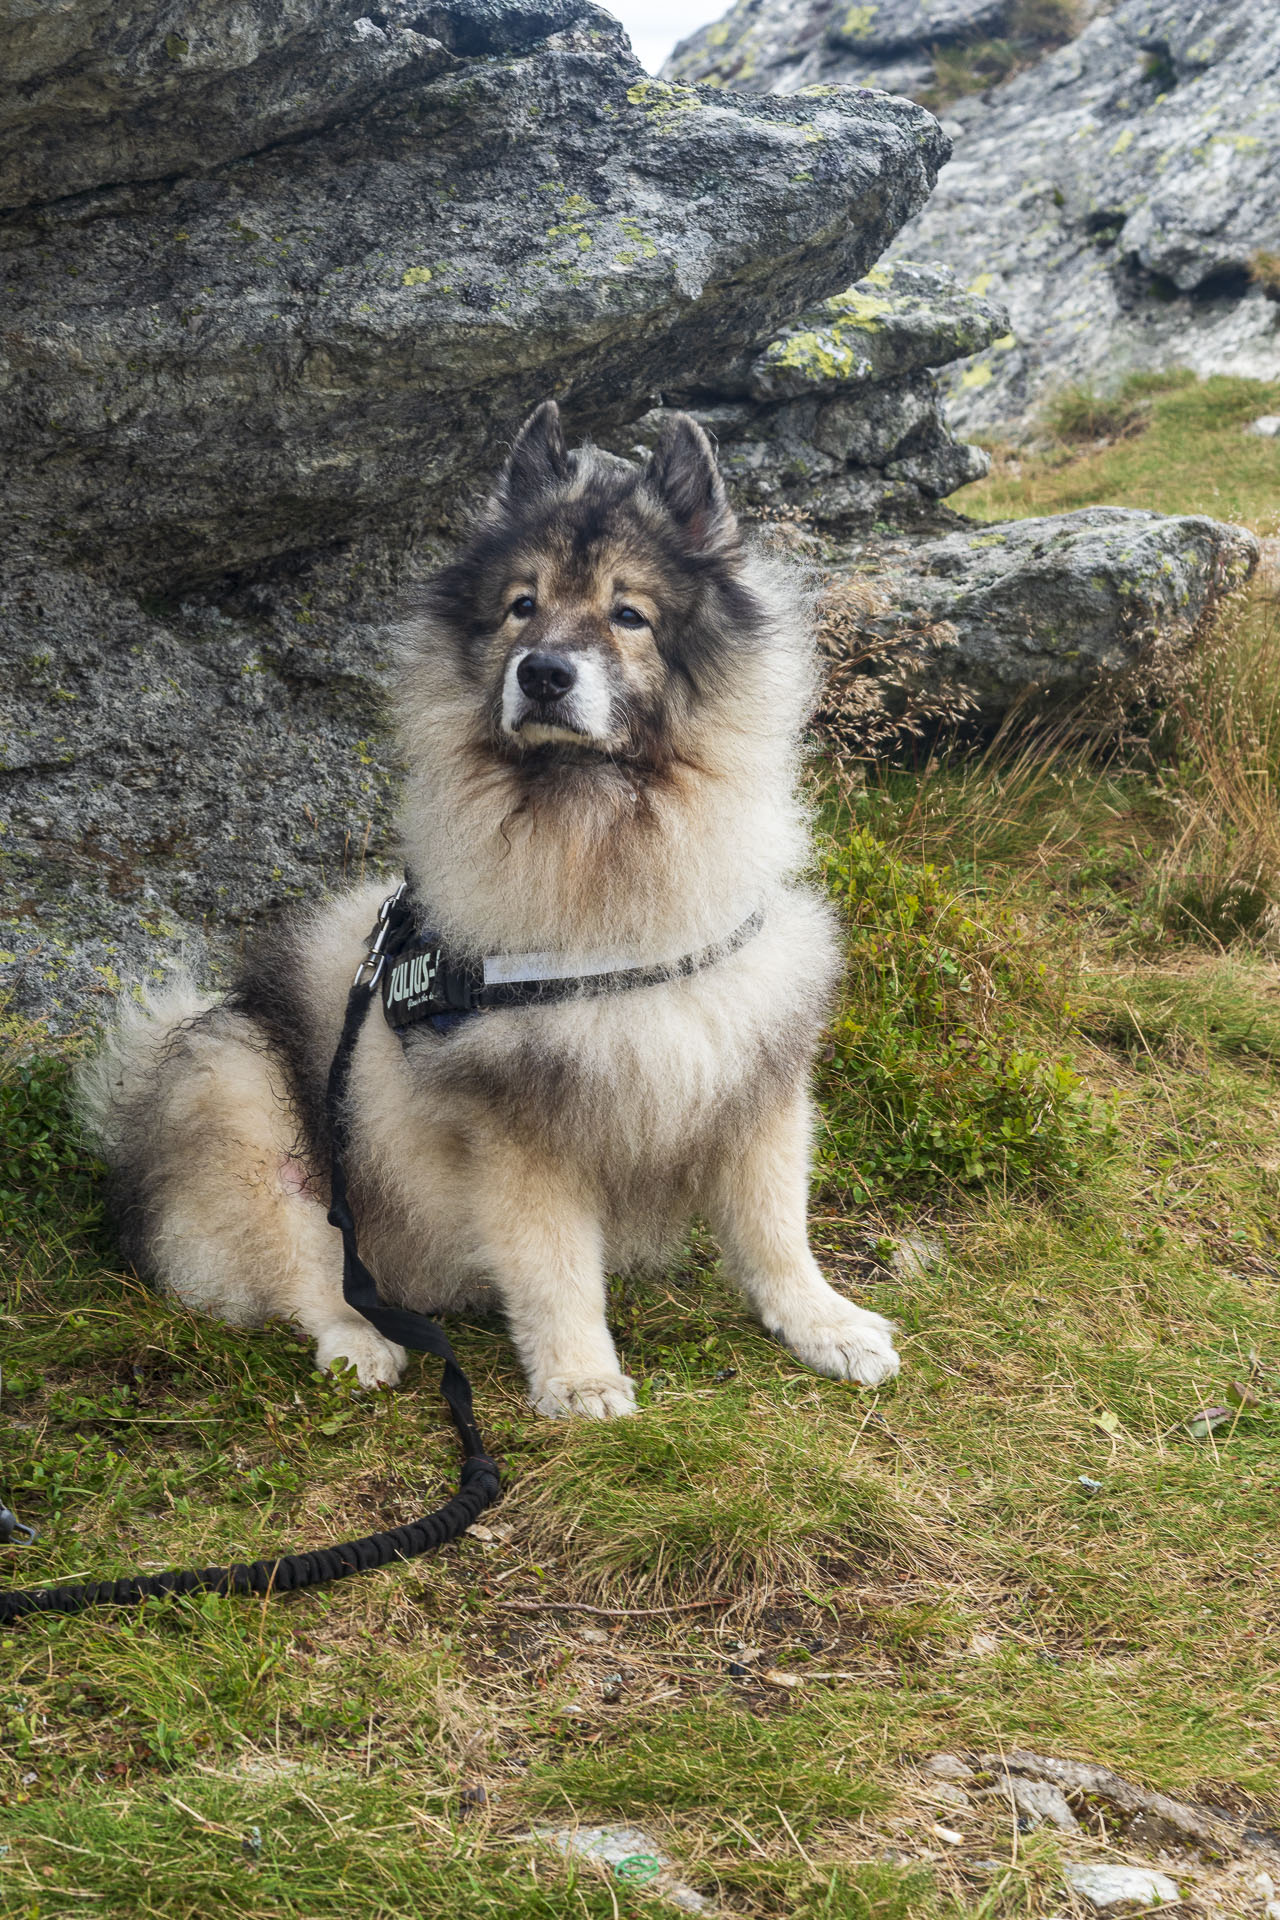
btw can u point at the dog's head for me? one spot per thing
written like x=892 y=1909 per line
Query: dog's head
x=598 y=607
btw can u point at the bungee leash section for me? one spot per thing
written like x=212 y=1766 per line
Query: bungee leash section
x=478 y=1486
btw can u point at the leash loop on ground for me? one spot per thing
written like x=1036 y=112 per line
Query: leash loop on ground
x=478 y=1484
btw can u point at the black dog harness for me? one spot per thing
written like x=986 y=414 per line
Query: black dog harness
x=420 y=983
x=423 y=984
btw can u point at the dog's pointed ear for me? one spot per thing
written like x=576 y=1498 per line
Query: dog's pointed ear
x=682 y=474
x=539 y=459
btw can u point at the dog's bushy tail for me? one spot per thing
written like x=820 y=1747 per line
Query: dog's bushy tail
x=120 y=1080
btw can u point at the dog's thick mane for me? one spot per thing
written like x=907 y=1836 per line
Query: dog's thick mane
x=661 y=854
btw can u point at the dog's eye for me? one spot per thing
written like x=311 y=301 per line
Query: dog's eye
x=522 y=606
x=629 y=617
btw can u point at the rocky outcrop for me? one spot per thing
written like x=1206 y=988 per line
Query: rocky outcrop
x=329 y=338
x=924 y=48
x=1120 y=198
x=1118 y=194
x=303 y=274
x=1040 y=617
x=98 y=91
x=840 y=416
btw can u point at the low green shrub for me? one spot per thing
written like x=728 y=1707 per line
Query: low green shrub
x=937 y=1069
x=48 y=1173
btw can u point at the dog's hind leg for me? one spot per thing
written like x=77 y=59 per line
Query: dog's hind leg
x=191 y=1110
x=757 y=1207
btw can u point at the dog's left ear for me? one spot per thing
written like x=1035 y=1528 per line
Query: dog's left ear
x=682 y=474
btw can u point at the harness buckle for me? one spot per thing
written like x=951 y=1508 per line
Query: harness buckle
x=375 y=958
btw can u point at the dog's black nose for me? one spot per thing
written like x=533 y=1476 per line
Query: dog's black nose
x=546 y=676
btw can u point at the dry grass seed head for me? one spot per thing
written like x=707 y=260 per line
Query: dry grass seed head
x=874 y=697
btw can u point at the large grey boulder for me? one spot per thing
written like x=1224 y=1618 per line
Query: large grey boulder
x=328 y=338
x=840 y=415
x=100 y=91
x=1120 y=198
x=1043 y=616
x=171 y=771
x=297 y=280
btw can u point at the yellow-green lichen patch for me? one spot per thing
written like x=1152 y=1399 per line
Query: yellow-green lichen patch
x=858 y=23
x=662 y=101
x=977 y=376
x=819 y=355
x=853 y=308
x=415 y=277
x=640 y=245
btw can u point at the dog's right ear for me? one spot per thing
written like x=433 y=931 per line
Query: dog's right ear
x=538 y=460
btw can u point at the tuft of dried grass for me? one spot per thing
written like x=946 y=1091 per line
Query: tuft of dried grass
x=879 y=690
x=1219 y=877
x=730 y=1493
x=1264 y=271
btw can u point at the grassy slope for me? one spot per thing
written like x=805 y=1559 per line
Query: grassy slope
x=927 y=1560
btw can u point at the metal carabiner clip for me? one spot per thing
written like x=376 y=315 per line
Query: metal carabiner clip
x=12 y=1531
x=378 y=939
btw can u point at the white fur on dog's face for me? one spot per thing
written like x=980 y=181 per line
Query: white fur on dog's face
x=585 y=713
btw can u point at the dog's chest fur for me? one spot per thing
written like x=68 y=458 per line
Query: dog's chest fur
x=632 y=1099
x=642 y=1083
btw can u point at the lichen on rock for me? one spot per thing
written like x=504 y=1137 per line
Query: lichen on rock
x=840 y=416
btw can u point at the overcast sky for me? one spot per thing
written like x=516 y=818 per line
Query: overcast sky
x=656 y=25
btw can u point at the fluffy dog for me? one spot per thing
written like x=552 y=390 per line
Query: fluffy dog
x=600 y=708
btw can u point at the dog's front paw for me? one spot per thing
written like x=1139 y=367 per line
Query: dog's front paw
x=378 y=1362
x=844 y=1342
x=587 y=1396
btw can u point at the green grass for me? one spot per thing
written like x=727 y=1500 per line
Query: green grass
x=1035 y=27
x=1192 y=454
x=1042 y=1065
x=933 y=1549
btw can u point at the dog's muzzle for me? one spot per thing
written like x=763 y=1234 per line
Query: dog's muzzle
x=550 y=698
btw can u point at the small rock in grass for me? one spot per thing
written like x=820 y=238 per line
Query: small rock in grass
x=595 y=1636
x=915 y=1256
x=1041 y=1801
x=1266 y=426
x=1116 y=1889
x=947 y=1766
x=950 y=1795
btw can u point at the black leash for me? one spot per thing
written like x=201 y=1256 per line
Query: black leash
x=478 y=1485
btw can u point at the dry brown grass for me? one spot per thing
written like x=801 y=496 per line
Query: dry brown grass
x=1219 y=876
x=878 y=691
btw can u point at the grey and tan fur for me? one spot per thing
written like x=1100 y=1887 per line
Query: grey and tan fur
x=643 y=810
